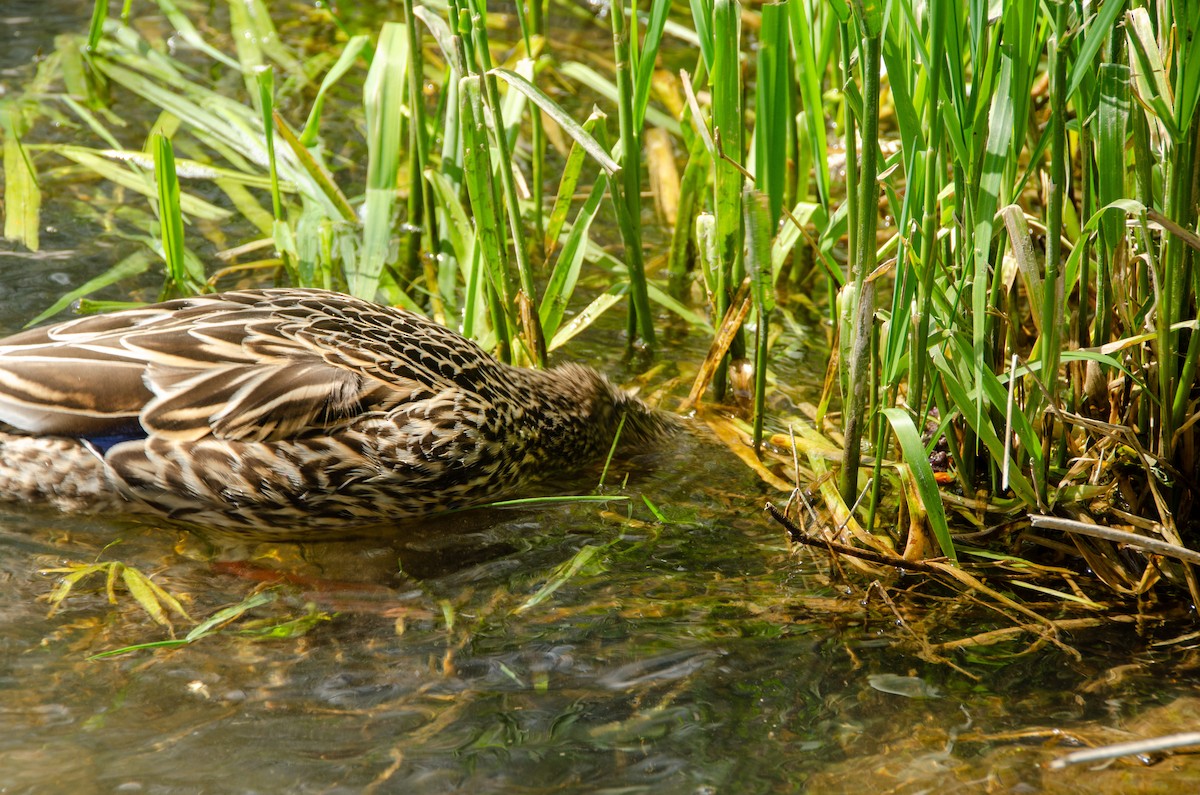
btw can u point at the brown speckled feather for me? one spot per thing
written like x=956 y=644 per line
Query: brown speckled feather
x=286 y=408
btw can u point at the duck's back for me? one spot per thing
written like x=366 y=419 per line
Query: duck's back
x=258 y=364
x=256 y=405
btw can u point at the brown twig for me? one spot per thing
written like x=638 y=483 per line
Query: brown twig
x=1151 y=545
x=970 y=582
x=797 y=534
x=994 y=636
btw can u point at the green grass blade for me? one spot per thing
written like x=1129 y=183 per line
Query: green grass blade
x=266 y=97
x=458 y=229
x=728 y=127
x=347 y=59
x=643 y=68
x=187 y=31
x=250 y=22
x=315 y=170
x=382 y=95
x=513 y=104
x=605 y=87
x=223 y=616
x=1053 y=320
x=79 y=84
x=246 y=43
x=96 y=29
x=561 y=576
x=156 y=644
x=758 y=262
x=772 y=108
x=124 y=44
x=1150 y=76
x=728 y=122
x=566 y=187
x=803 y=32
x=988 y=200
x=185 y=168
x=669 y=303
x=22 y=196
x=1021 y=244
x=1112 y=122
x=180 y=275
x=477 y=172
x=691 y=203
x=458 y=253
x=702 y=14
x=626 y=191
x=898 y=61
x=590 y=313
x=228 y=127
x=564 y=120
x=92 y=121
x=561 y=283
x=806 y=213
x=192 y=206
x=525 y=305
x=441 y=34
x=918 y=463
x=996 y=394
x=967 y=408
x=1099 y=30
x=1187 y=77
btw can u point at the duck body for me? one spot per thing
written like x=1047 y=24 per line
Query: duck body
x=286 y=410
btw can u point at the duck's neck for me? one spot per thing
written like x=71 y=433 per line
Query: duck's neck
x=578 y=412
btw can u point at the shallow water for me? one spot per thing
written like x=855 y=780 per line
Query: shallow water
x=694 y=655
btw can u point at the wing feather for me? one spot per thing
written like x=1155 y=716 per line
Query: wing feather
x=250 y=365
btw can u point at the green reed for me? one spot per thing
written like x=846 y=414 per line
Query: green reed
x=181 y=277
x=383 y=91
x=869 y=23
x=728 y=119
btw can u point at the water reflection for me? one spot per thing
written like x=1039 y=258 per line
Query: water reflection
x=685 y=657
x=428 y=674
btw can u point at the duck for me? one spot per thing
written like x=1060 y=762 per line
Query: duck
x=290 y=410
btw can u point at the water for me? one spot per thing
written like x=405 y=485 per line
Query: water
x=698 y=655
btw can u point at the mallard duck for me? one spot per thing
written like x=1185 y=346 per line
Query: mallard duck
x=289 y=409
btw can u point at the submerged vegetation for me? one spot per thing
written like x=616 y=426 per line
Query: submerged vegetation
x=1006 y=259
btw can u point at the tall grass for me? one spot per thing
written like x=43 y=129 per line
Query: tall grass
x=1016 y=188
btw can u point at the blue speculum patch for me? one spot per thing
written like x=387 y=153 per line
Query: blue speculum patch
x=103 y=442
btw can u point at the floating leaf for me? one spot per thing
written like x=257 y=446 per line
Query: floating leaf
x=561 y=576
